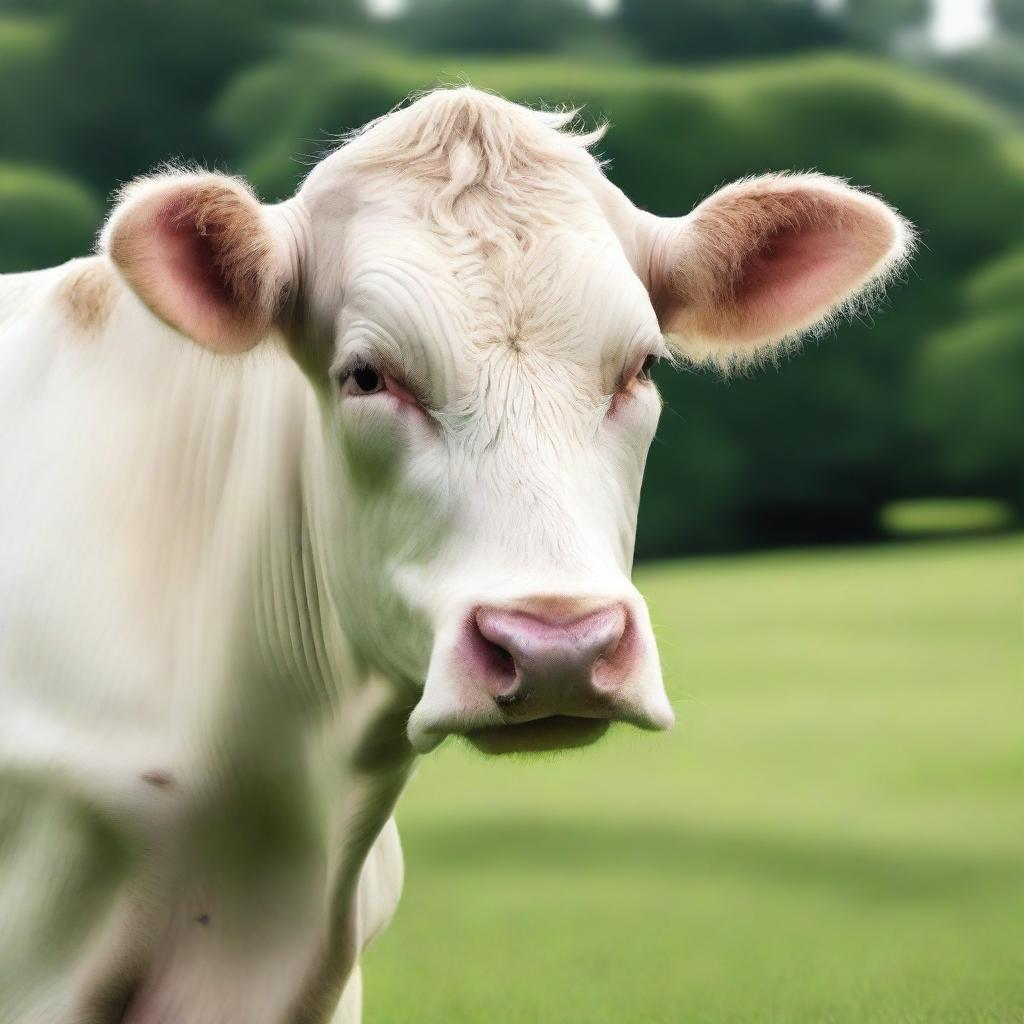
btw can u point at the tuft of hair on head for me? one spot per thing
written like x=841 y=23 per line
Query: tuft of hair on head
x=486 y=138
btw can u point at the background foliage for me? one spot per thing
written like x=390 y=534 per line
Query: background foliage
x=918 y=401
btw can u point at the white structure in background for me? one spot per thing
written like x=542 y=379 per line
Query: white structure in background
x=960 y=24
x=385 y=9
x=953 y=25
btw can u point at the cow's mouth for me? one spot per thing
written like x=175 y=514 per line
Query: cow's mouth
x=558 y=732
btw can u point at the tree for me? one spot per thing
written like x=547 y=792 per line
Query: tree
x=145 y=72
x=877 y=23
x=45 y=218
x=1010 y=15
x=699 y=30
x=968 y=388
x=491 y=26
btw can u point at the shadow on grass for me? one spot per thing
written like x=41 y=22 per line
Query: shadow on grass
x=863 y=871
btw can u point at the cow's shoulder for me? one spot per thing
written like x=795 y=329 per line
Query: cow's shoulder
x=77 y=297
x=87 y=293
x=19 y=292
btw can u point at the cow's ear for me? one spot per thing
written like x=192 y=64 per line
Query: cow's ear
x=203 y=254
x=764 y=260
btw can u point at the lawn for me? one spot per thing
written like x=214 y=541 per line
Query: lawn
x=833 y=833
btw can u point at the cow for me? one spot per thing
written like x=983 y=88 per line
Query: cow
x=289 y=494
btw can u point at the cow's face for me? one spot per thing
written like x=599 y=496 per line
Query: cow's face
x=479 y=311
x=495 y=412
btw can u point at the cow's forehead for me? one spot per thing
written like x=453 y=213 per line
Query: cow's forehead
x=484 y=265
x=495 y=210
x=454 y=295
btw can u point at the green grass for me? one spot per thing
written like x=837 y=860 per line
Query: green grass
x=833 y=833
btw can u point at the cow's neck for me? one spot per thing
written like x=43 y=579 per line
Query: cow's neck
x=304 y=673
x=270 y=535
x=300 y=755
x=256 y=531
x=236 y=517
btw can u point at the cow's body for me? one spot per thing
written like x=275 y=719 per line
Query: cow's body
x=196 y=656
x=289 y=494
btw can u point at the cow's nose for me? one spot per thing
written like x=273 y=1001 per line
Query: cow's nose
x=551 y=657
x=541 y=673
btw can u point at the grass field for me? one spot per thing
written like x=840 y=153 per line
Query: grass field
x=834 y=832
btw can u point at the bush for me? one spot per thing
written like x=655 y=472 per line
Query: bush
x=998 y=286
x=131 y=80
x=937 y=516
x=26 y=89
x=45 y=218
x=491 y=26
x=968 y=386
x=995 y=69
x=707 y=29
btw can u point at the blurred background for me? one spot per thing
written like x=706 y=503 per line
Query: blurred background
x=836 y=831
x=920 y=101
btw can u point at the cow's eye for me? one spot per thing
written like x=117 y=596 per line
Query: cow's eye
x=362 y=379
x=367 y=379
x=644 y=373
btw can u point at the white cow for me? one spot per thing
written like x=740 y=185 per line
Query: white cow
x=288 y=494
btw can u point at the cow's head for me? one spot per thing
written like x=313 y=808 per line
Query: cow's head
x=479 y=311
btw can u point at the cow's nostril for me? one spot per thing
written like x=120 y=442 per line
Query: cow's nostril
x=496 y=660
x=499 y=660
x=511 y=699
x=546 y=644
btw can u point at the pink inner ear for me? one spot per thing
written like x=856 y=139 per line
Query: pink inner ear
x=200 y=252
x=190 y=290
x=764 y=259
x=795 y=277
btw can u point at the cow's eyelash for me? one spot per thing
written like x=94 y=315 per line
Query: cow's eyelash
x=639 y=371
x=362 y=376
x=650 y=361
x=365 y=375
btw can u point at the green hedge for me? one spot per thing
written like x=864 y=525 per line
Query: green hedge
x=932 y=517
x=999 y=285
x=968 y=386
x=45 y=218
x=27 y=87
